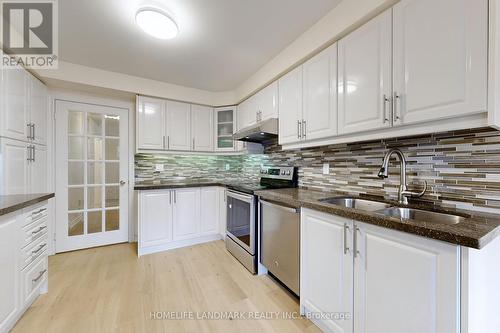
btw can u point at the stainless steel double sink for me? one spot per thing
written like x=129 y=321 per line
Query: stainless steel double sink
x=394 y=211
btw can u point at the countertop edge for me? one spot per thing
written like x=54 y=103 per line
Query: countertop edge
x=23 y=204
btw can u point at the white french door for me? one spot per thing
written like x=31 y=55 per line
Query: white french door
x=91 y=175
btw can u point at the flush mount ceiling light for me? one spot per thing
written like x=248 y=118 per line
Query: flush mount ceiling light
x=156 y=23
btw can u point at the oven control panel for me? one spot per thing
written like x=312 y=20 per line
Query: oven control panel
x=285 y=173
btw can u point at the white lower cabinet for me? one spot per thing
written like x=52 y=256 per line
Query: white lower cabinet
x=326 y=278
x=23 y=262
x=175 y=218
x=378 y=279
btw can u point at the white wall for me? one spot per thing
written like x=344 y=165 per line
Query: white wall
x=335 y=24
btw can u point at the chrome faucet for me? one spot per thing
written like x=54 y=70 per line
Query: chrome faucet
x=403 y=192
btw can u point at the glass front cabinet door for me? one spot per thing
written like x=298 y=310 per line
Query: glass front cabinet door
x=224 y=128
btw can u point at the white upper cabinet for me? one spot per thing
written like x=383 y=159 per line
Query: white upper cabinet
x=411 y=281
x=178 y=126
x=202 y=128
x=225 y=125
x=151 y=132
x=38 y=110
x=365 y=76
x=440 y=59
x=247 y=113
x=267 y=102
x=290 y=106
x=15 y=113
x=320 y=95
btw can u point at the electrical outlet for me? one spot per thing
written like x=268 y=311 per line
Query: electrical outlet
x=326 y=168
x=159 y=167
x=227 y=166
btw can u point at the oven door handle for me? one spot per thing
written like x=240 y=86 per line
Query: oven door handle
x=285 y=208
x=241 y=197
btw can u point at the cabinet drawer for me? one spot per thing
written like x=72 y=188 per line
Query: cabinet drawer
x=34 y=275
x=34 y=231
x=34 y=214
x=33 y=251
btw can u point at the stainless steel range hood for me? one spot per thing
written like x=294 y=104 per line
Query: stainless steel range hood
x=261 y=132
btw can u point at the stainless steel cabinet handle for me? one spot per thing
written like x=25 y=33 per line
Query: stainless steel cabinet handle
x=386 y=100
x=164 y=142
x=395 y=108
x=304 y=129
x=299 y=129
x=170 y=197
x=38 y=249
x=346 y=229
x=29 y=154
x=38 y=211
x=29 y=131
x=33 y=134
x=34 y=157
x=39 y=230
x=35 y=280
x=168 y=142
x=355 y=242
x=175 y=197
x=193 y=144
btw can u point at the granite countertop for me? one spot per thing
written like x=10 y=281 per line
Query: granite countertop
x=12 y=203
x=475 y=231
x=185 y=183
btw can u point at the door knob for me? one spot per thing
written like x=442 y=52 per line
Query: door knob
x=122 y=182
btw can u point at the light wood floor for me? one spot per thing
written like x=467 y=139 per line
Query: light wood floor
x=109 y=289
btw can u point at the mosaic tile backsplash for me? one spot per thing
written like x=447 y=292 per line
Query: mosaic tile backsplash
x=232 y=167
x=462 y=168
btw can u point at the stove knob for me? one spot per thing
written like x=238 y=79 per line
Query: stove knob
x=288 y=173
x=282 y=172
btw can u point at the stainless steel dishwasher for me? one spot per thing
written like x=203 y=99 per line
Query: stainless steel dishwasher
x=280 y=242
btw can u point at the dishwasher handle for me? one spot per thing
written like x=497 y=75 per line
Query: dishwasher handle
x=285 y=208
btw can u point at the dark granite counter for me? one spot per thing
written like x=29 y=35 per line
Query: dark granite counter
x=170 y=184
x=474 y=231
x=12 y=203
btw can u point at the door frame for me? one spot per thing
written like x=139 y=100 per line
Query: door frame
x=125 y=102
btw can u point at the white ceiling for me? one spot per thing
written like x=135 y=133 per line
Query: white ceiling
x=221 y=42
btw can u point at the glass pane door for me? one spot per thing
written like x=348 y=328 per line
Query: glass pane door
x=96 y=164
x=225 y=129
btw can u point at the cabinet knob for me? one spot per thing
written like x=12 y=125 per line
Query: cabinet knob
x=122 y=182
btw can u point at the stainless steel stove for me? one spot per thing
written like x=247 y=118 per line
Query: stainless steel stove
x=241 y=229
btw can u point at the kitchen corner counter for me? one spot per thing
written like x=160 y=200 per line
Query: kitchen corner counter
x=12 y=203
x=475 y=231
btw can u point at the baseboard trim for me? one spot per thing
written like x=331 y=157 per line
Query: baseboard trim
x=141 y=251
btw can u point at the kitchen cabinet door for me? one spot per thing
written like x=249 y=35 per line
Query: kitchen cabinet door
x=10 y=303
x=209 y=210
x=38 y=109
x=247 y=112
x=222 y=211
x=155 y=218
x=440 y=59
x=404 y=283
x=151 y=123
x=202 y=128
x=365 y=76
x=15 y=164
x=186 y=214
x=267 y=100
x=290 y=106
x=225 y=125
x=320 y=95
x=14 y=114
x=38 y=170
x=178 y=126
x=326 y=269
